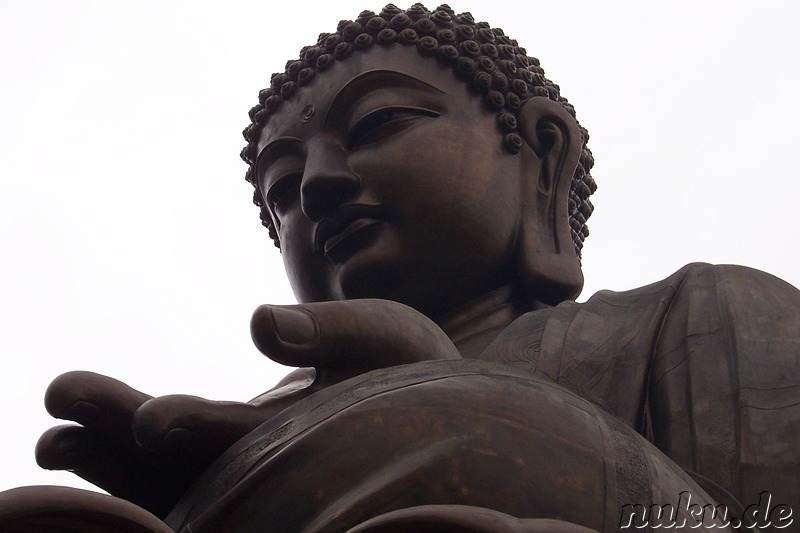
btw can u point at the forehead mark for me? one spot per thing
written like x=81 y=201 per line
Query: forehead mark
x=353 y=90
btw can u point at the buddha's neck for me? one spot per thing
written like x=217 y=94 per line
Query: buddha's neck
x=475 y=325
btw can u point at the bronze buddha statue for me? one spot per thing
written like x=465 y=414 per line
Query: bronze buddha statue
x=429 y=189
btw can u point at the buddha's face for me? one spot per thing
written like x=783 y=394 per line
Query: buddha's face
x=386 y=178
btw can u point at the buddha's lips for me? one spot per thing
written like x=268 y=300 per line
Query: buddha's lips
x=347 y=220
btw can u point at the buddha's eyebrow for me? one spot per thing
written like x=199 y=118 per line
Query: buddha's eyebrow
x=268 y=154
x=367 y=82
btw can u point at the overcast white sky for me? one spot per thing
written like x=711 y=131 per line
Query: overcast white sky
x=128 y=242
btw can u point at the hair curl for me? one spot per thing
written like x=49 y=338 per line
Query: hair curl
x=494 y=66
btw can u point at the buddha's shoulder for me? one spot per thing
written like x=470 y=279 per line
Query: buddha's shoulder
x=735 y=304
x=699 y=294
x=698 y=280
x=725 y=312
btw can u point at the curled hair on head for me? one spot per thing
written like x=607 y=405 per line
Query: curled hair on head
x=498 y=70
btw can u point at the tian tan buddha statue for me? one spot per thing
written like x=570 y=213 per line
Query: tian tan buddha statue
x=429 y=188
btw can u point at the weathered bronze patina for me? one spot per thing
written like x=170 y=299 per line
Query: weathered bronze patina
x=429 y=188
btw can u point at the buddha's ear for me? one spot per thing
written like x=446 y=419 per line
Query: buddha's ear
x=547 y=261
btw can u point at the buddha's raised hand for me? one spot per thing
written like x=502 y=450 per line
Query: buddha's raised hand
x=149 y=450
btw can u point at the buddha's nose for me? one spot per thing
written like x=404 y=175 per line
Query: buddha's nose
x=328 y=182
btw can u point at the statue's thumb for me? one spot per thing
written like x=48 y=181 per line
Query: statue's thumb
x=349 y=336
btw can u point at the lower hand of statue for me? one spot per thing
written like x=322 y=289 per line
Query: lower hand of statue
x=149 y=450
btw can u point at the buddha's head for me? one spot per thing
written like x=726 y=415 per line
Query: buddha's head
x=424 y=158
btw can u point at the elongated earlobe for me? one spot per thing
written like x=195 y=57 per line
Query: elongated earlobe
x=547 y=261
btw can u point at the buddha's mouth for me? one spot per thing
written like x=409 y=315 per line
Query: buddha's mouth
x=352 y=224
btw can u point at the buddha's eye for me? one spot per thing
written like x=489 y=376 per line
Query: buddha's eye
x=283 y=193
x=384 y=123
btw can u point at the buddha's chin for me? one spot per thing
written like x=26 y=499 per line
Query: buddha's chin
x=371 y=272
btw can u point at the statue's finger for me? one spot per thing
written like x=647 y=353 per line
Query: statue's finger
x=100 y=402
x=350 y=336
x=92 y=457
x=151 y=482
x=202 y=428
x=61 y=448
